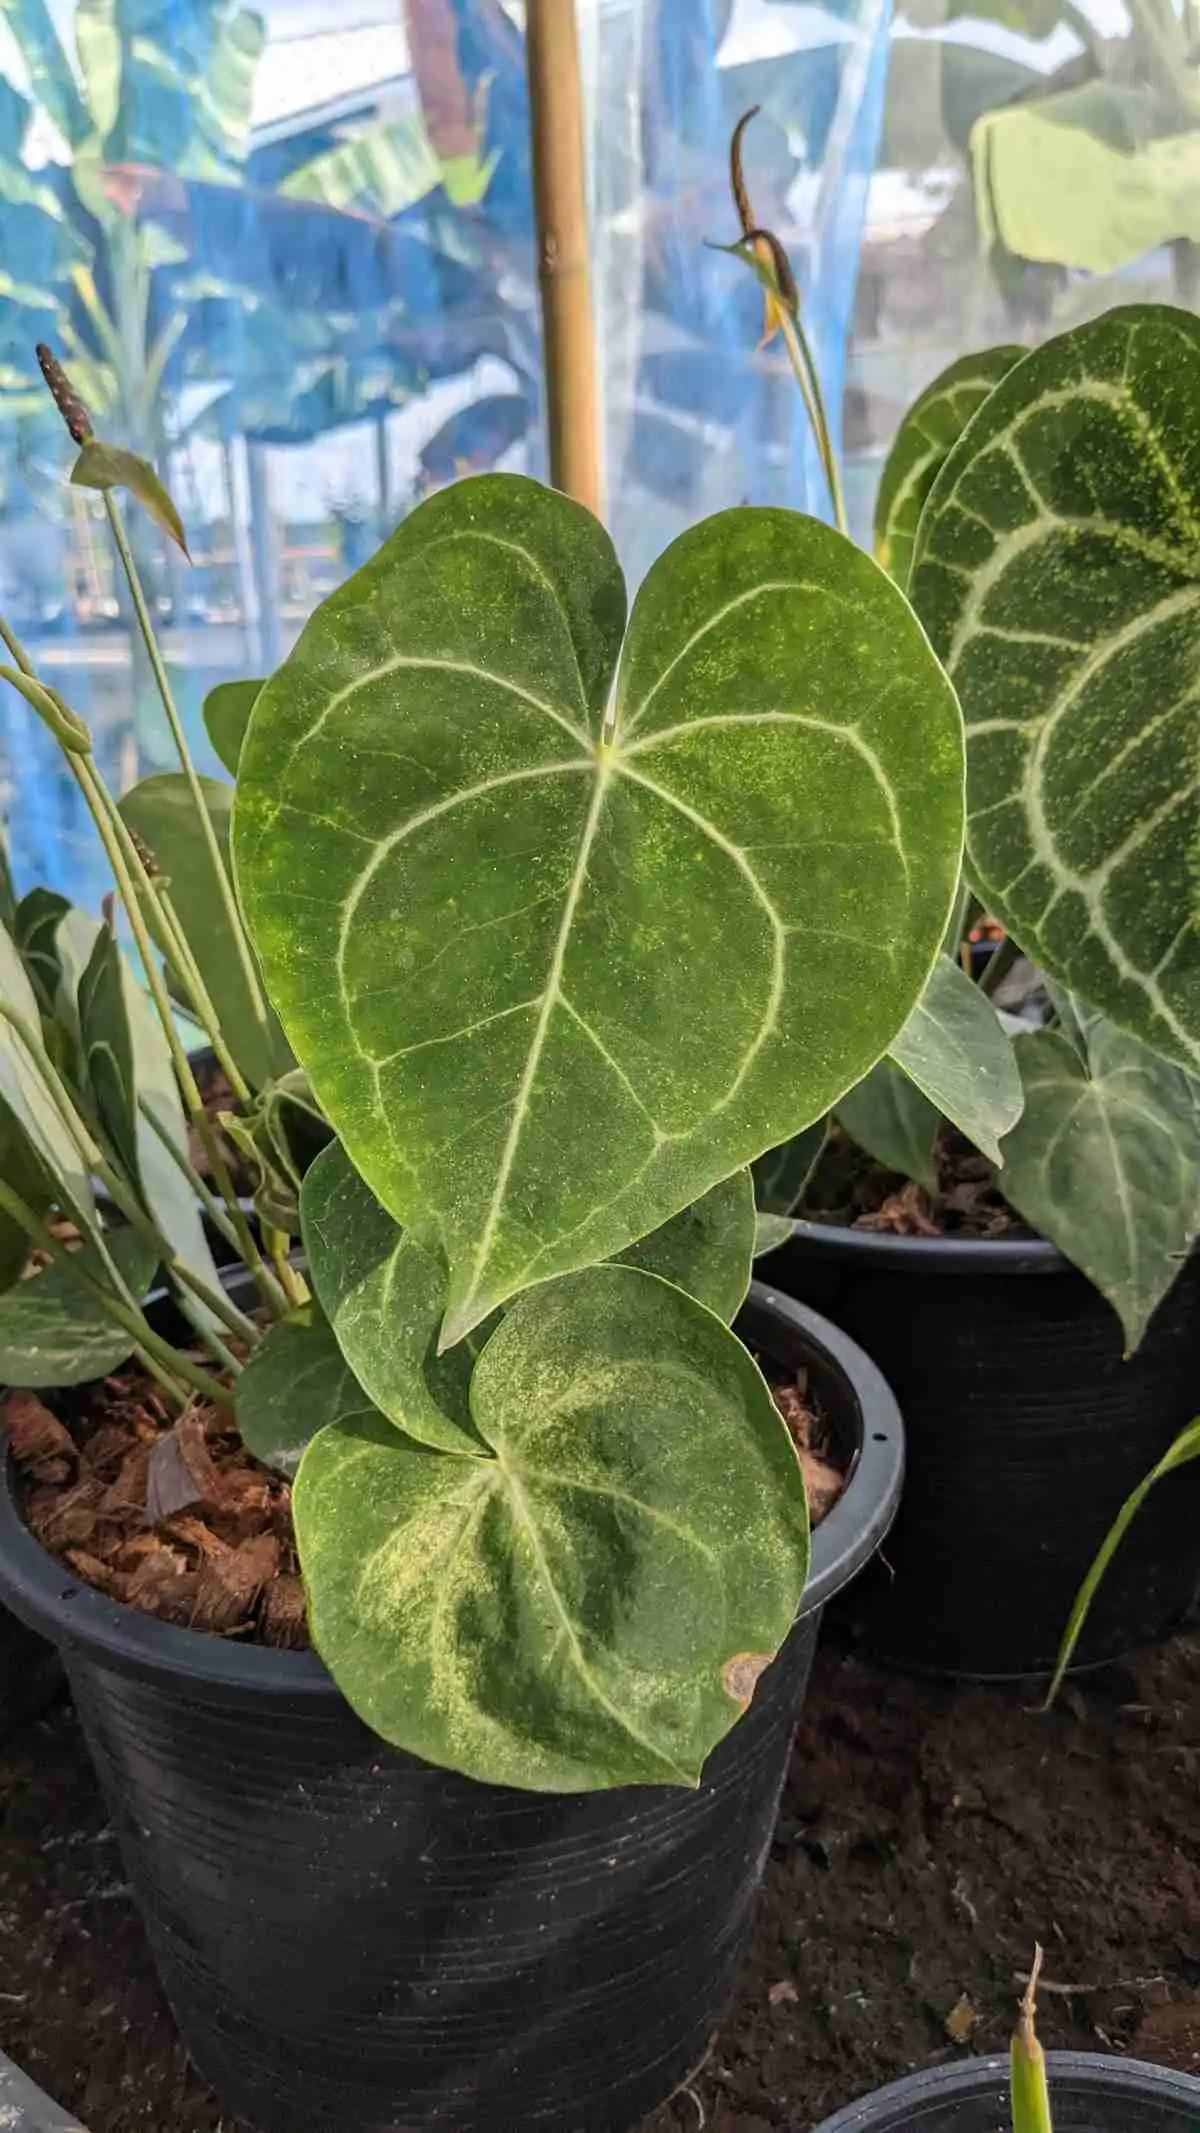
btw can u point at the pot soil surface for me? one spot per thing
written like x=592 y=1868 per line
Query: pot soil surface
x=927 y=1838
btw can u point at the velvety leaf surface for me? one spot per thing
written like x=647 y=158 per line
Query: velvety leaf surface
x=1058 y=574
x=295 y=1384
x=955 y=1050
x=160 y=809
x=1106 y=1163
x=708 y=1249
x=227 y=711
x=52 y=1332
x=930 y=430
x=888 y=1116
x=591 y=1604
x=489 y=927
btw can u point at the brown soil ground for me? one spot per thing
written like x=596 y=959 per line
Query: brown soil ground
x=928 y=1837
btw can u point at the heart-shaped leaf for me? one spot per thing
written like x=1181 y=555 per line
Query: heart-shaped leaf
x=227 y=711
x=591 y=1605
x=957 y=1053
x=930 y=430
x=294 y=1385
x=1106 y=1163
x=53 y=1331
x=110 y=466
x=780 y=1176
x=24 y=1091
x=160 y=809
x=1058 y=574
x=888 y=1117
x=487 y=917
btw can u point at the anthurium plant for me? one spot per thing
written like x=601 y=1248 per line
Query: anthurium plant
x=550 y=921
x=1042 y=511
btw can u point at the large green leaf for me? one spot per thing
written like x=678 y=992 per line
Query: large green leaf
x=552 y=982
x=591 y=1604
x=889 y=1118
x=931 y=428
x=160 y=810
x=1106 y=1163
x=24 y=1091
x=227 y=711
x=384 y=170
x=708 y=1249
x=957 y=1052
x=50 y=77
x=294 y=1385
x=1058 y=575
x=53 y=1331
x=1092 y=178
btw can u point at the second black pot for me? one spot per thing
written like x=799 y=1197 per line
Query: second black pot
x=1088 y=2094
x=356 y=1942
x=1026 y=1430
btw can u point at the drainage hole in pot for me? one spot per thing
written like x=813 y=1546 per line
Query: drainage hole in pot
x=879 y=1436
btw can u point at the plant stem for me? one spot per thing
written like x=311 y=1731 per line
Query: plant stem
x=211 y=1205
x=998 y=965
x=162 y=681
x=90 y=784
x=294 y=1286
x=171 y=1369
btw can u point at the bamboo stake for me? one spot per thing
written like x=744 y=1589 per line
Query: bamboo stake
x=564 y=259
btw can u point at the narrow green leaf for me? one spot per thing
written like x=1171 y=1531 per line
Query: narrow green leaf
x=931 y=428
x=590 y=1605
x=8 y=894
x=294 y=1385
x=53 y=1332
x=35 y=923
x=160 y=810
x=1106 y=1162
x=227 y=711
x=20 y=1170
x=384 y=1297
x=489 y=928
x=708 y=1249
x=889 y=1117
x=781 y=1176
x=109 y=466
x=1058 y=574
x=24 y=1091
x=1027 y=2063
x=955 y=1050
x=1185 y=1448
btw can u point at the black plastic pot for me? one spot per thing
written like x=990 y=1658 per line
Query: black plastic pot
x=1088 y=2094
x=30 y=1675
x=356 y=1942
x=1026 y=1429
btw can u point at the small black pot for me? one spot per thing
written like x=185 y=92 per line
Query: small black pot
x=31 y=1675
x=356 y=1942
x=1088 y=2094
x=1026 y=1430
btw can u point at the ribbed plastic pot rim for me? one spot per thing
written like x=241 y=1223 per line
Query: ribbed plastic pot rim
x=72 y=1614
x=869 y=1249
x=887 y=2110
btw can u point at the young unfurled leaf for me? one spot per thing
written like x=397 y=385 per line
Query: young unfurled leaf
x=1027 y=2062
x=296 y=1383
x=35 y=923
x=488 y=922
x=109 y=466
x=53 y=1331
x=930 y=430
x=279 y=1136
x=955 y=1050
x=590 y=1604
x=1057 y=571
x=227 y=711
x=160 y=809
x=780 y=1176
x=887 y=1115
x=1106 y=1163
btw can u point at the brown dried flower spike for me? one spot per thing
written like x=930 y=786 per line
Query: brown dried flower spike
x=64 y=395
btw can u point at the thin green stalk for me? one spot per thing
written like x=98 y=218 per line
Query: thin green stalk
x=88 y=779
x=172 y=1370
x=179 y=737
x=998 y=965
x=1030 y=2094
x=293 y=1284
x=208 y=1200
x=210 y=1337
